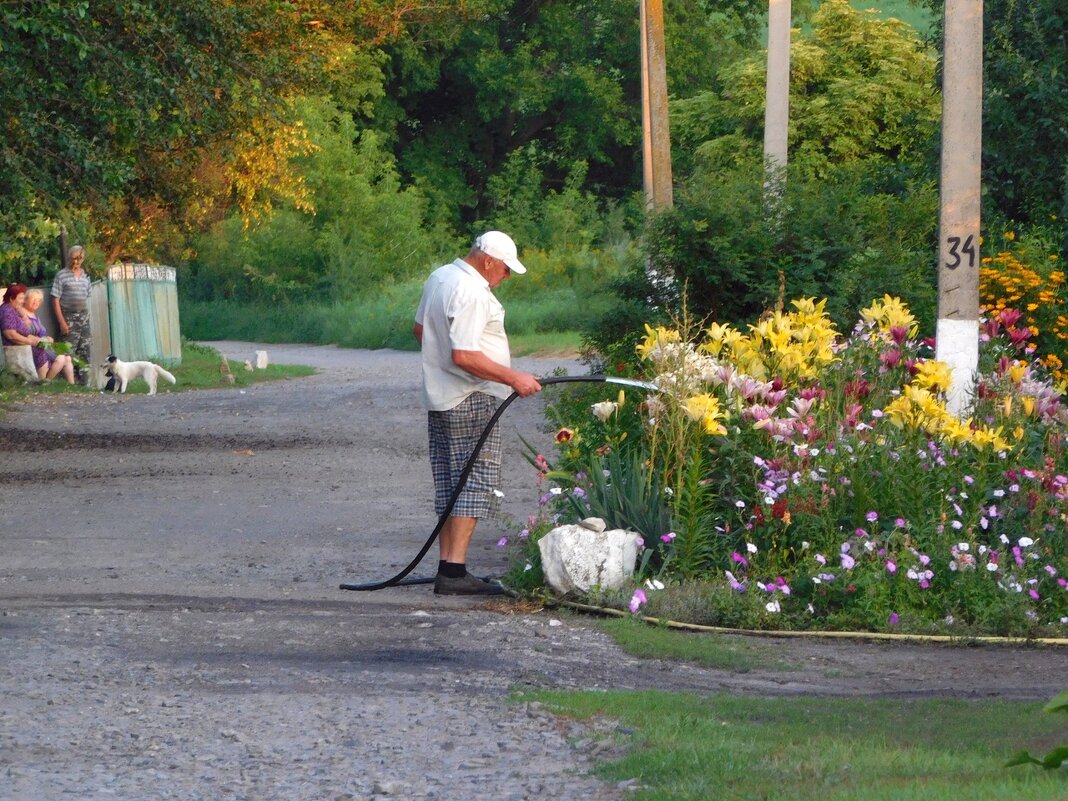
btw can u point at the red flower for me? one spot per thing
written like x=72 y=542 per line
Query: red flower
x=858 y=389
x=1019 y=336
x=564 y=435
x=1009 y=317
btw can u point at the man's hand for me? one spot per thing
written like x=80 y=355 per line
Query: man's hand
x=525 y=384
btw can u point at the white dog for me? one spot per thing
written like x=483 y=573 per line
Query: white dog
x=122 y=373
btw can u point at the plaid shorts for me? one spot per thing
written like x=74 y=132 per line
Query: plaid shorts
x=453 y=435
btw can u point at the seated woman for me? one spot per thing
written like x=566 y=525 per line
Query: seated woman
x=34 y=298
x=18 y=326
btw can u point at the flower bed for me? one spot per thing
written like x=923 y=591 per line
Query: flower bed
x=789 y=477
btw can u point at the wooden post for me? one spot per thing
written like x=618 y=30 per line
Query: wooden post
x=958 y=238
x=656 y=139
x=63 y=247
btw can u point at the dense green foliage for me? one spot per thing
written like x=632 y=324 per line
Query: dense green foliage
x=366 y=228
x=860 y=198
x=281 y=151
x=126 y=120
x=517 y=102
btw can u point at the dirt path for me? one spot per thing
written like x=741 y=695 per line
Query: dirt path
x=171 y=627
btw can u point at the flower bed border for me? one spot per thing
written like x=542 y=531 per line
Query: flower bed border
x=841 y=635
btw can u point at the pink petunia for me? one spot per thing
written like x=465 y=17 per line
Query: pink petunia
x=637 y=600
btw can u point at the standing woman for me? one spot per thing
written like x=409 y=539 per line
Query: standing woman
x=70 y=302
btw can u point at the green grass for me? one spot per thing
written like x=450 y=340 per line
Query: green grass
x=544 y=321
x=729 y=747
x=200 y=369
x=721 y=652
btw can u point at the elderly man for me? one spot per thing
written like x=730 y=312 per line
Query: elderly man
x=70 y=304
x=466 y=373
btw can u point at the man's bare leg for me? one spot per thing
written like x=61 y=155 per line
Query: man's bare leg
x=455 y=537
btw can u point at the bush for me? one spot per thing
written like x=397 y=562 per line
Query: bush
x=861 y=230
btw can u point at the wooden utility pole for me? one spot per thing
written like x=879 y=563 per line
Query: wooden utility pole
x=958 y=223
x=777 y=104
x=656 y=139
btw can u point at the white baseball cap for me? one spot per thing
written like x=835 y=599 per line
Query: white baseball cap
x=499 y=245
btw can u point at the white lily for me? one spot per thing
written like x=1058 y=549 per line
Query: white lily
x=605 y=409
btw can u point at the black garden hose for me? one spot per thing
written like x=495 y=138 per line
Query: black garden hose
x=399 y=579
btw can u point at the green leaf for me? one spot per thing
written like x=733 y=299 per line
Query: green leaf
x=1055 y=758
x=1059 y=703
x=1022 y=758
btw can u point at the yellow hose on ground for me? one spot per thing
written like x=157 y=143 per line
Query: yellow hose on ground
x=840 y=635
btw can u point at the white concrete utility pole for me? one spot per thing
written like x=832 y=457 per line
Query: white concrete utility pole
x=656 y=139
x=777 y=105
x=958 y=224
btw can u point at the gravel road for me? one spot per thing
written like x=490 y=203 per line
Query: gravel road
x=171 y=625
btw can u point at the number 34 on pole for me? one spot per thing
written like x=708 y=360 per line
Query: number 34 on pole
x=957 y=252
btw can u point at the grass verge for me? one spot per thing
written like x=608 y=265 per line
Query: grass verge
x=682 y=747
x=538 y=322
x=200 y=369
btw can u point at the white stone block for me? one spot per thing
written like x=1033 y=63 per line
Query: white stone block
x=261 y=359
x=19 y=360
x=577 y=558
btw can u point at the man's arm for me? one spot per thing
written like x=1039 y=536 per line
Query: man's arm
x=479 y=365
x=417 y=332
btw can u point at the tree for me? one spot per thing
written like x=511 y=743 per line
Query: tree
x=166 y=111
x=860 y=204
x=367 y=229
x=861 y=89
x=554 y=84
x=1025 y=106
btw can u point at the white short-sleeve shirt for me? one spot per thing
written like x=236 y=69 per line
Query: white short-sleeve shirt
x=458 y=311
